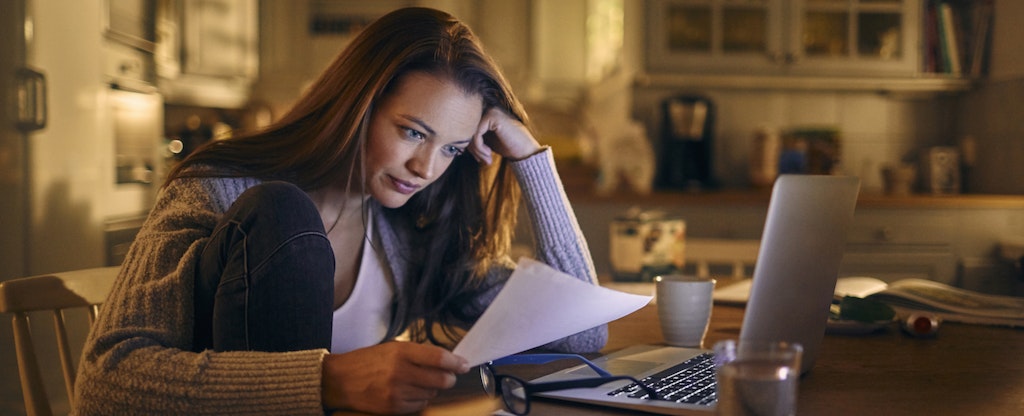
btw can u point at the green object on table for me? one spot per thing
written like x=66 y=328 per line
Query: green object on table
x=864 y=310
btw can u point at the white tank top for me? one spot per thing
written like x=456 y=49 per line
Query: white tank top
x=363 y=319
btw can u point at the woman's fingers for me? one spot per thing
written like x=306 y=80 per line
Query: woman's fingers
x=395 y=377
x=502 y=134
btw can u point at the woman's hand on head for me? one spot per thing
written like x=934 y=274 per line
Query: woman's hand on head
x=394 y=377
x=502 y=134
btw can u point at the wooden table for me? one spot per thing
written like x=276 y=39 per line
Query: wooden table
x=964 y=370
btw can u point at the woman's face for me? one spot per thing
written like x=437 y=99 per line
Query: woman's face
x=415 y=133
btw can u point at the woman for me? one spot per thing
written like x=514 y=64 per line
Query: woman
x=277 y=268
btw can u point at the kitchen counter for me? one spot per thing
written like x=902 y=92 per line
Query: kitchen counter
x=579 y=184
x=758 y=197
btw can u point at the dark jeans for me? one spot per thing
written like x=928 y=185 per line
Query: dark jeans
x=265 y=281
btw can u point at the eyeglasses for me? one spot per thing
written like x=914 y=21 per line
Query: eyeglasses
x=515 y=393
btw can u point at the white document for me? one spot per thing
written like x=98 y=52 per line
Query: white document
x=539 y=305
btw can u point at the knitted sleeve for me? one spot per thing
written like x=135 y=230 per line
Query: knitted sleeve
x=558 y=238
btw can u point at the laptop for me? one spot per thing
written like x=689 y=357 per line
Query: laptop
x=794 y=279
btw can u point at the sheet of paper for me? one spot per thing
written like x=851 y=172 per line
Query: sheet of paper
x=538 y=305
x=735 y=294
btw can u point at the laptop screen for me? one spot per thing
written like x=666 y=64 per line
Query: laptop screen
x=794 y=279
x=801 y=248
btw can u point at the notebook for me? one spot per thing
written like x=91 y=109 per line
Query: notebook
x=794 y=279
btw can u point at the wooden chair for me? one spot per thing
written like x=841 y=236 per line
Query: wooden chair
x=56 y=293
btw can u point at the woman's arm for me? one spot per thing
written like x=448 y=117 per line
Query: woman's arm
x=559 y=242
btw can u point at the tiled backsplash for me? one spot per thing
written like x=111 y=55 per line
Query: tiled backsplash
x=875 y=128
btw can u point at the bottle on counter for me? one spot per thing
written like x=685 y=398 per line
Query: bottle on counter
x=764 y=157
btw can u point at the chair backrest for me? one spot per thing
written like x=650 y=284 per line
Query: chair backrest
x=56 y=293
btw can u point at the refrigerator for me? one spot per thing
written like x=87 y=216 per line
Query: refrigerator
x=81 y=126
x=82 y=130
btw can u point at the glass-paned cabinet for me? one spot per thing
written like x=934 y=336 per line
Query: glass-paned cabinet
x=839 y=37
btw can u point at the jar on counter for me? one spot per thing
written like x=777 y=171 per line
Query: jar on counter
x=764 y=157
x=645 y=244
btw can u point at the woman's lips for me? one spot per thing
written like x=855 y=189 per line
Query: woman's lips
x=404 y=187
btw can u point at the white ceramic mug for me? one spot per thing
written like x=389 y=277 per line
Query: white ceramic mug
x=684 y=308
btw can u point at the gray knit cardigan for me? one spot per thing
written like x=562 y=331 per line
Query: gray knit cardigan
x=138 y=359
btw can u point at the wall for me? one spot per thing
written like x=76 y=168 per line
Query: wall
x=1007 y=61
x=991 y=113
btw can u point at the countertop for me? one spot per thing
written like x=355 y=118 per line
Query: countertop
x=759 y=197
x=579 y=184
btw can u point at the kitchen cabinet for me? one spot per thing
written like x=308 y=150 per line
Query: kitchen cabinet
x=838 y=37
x=207 y=51
x=812 y=45
x=219 y=38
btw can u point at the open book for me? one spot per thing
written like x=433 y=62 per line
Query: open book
x=916 y=295
x=950 y=303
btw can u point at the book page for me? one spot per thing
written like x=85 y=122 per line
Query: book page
x=934 y=296
x=737 y=293
x=733 y=294
x=858 y=286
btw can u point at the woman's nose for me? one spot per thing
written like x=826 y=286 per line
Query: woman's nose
x=422 y=164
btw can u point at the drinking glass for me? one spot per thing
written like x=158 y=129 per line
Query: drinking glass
x=757 y=377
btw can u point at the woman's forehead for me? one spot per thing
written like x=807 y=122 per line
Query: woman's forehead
x=437 y=101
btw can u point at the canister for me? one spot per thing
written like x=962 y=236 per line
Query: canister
x=646 y=243
x=764 y=157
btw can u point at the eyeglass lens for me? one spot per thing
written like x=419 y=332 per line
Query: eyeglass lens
x=487 y=380
x=513 y=393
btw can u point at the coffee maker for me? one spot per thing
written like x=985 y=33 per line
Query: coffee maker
x=684 y=156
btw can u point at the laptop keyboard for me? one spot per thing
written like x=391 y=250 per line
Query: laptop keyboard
x=692 y=381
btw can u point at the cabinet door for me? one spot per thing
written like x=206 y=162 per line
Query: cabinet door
x=719 y=35
x=854 y=37
x=779 y=37
x=220 y=38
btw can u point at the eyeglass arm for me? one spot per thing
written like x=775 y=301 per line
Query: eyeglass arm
x=585 y=382
x=547 y=358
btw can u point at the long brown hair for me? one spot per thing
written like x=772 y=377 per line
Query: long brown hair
x=463 y=222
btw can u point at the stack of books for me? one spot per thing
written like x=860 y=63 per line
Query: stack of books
x=956 y=34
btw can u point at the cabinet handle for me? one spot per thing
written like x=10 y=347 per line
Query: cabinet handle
x=31 y=99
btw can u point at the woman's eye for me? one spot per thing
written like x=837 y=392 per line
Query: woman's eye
x=413 y=134
x=453 y=151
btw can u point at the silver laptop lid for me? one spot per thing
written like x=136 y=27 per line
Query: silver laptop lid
x=801 y=247
x=794 y=278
